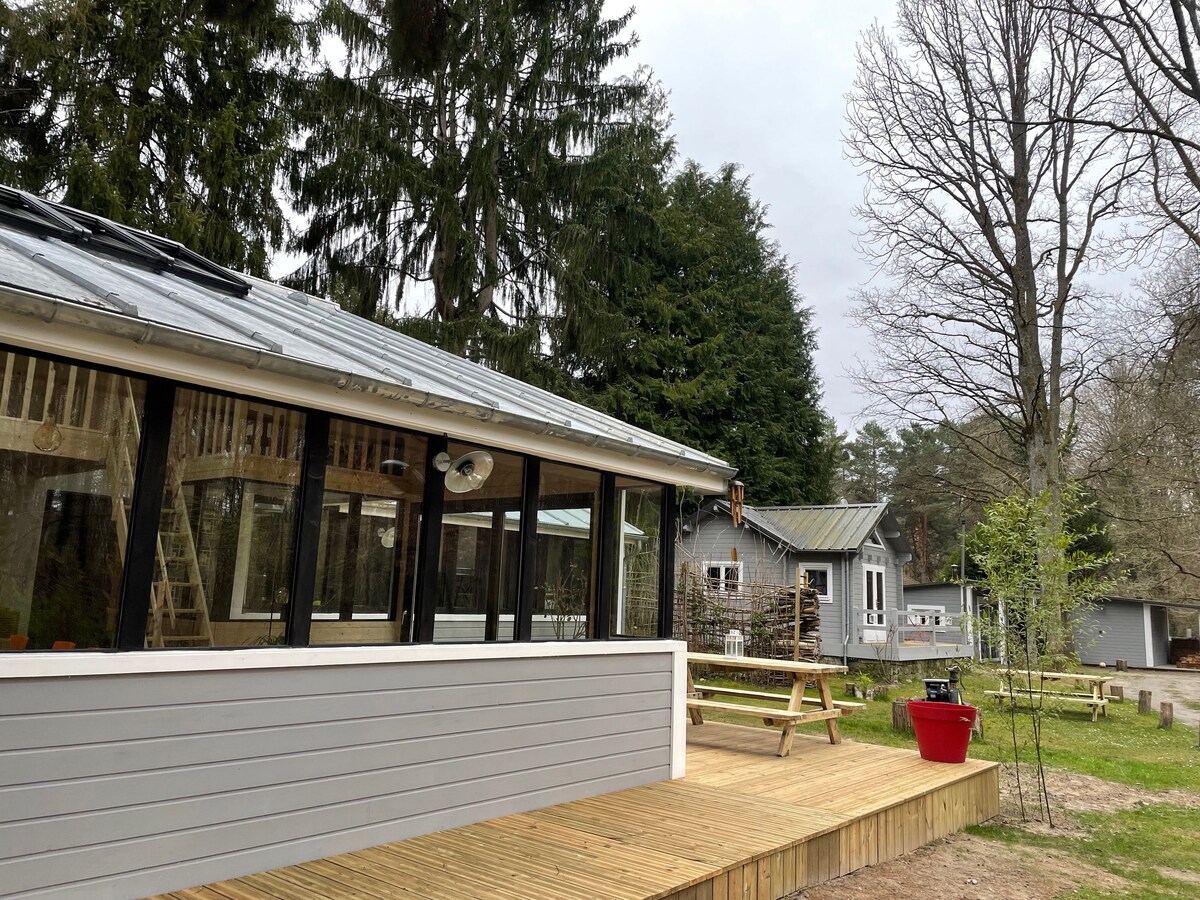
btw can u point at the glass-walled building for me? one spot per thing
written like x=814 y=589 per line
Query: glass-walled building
x=277 y=582
x=526 y=549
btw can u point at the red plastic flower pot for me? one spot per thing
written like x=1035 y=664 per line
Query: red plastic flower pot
x=943 y=729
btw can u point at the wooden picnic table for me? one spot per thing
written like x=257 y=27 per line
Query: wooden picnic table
x=699 y=698
x=1093 y=696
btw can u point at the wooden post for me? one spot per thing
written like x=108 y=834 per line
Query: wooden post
x=1144 y=701
x=1166 y=715
x=1116 y=693
x=901 y=720
x=1122 y=665
x=796 y=619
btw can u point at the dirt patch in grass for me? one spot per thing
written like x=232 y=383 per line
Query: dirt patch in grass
x=968 y=867
x=964 y=867
x=1072 y=792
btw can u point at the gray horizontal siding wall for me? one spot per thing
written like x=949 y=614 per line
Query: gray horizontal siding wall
x=1113 y=630
x=948 y=596
x=123 y=786
x=715 y=538
x=831 y=612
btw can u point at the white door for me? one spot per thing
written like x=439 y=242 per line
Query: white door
x=875 y=604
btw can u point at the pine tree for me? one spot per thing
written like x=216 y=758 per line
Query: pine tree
x=447 y=155
x=165 y=116
x=869 y=465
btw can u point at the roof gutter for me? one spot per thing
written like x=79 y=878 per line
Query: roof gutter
x=56 y=310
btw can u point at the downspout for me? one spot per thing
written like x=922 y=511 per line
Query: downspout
x=845 y=609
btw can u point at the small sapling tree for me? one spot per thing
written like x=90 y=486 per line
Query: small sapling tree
x=1023 y=553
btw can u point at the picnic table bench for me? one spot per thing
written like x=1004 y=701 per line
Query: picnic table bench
x=794 y=712
x=1032 y=684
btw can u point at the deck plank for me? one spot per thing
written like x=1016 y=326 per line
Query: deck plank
x=743 y=823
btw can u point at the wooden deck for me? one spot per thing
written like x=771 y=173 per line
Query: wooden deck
x=743 y=824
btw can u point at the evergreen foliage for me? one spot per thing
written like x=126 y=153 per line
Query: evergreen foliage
x=715 y=349
x=446 y=155
x=166 y=116
x=868 y=466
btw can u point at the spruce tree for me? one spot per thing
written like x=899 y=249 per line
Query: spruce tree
x=446 y=155
x=167 y=116
x=716 y=348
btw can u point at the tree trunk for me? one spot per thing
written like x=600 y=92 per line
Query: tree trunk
x=1166 y=715
x=1144 y=701
x=901 y=720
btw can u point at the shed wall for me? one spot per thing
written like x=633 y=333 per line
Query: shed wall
x=1113 y=630
x=944 y=595
x=126 y=785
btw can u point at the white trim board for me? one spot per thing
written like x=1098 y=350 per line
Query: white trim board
x=74 y=664
x=1148 y=634
x=679 y=713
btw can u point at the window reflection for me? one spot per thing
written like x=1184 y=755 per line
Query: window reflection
x=637 y=559
x=564 y=588
x=480 y=545
x=227 y=530
x=69 y=440
x=367 y=553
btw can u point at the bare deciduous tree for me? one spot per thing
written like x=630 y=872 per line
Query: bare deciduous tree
x=1139 y=438
x=1155 y=44
x=988 y=195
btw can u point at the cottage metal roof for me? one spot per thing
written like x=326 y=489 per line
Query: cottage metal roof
x=830 y=529
x=111 y=276
x=825 y=527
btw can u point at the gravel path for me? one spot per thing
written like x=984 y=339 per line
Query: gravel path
x=1180 y=687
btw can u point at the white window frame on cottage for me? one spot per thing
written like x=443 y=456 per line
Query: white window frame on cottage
x=826 y=597
x=875 y=619
x=730 y=573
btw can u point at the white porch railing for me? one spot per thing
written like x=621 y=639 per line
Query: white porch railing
x=910 y=628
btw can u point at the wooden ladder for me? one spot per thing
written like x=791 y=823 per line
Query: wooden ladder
x=177 y=596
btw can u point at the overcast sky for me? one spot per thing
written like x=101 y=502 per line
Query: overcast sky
x=763 y=84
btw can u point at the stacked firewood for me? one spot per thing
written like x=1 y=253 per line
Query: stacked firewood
x=782 y=624
x=1191 y=661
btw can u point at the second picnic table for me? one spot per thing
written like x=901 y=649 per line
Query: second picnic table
x=699 y=698
x=1032 y=684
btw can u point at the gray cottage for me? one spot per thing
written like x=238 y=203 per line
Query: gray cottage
x=277 y=582
x=853 y=554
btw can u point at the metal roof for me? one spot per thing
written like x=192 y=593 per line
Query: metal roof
x=111 y=277
x=841 y=528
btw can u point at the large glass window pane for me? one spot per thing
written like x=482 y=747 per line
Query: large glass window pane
x=565 y=583
x=480 y=548
x=637 y=559
x=69 y=440
x=227 y=531
x=368 y=549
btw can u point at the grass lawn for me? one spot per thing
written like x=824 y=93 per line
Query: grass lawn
x=1153 y=847
x=1124 y=747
